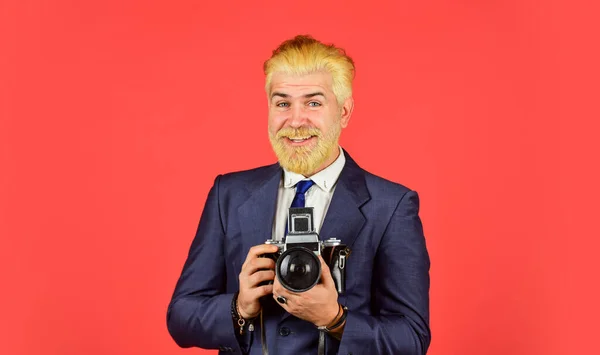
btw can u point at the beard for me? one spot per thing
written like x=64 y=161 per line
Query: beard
x=304 y=160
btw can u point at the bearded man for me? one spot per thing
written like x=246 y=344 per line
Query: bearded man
x=229 y=297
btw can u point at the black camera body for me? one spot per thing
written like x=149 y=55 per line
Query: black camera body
x=298 y=268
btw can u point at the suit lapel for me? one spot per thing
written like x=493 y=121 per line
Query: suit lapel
x=257 y=212
x=344 y=219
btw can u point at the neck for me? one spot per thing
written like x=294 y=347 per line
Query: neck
x=332 y=157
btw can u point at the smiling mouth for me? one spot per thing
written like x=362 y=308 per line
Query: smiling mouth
x=300 y=140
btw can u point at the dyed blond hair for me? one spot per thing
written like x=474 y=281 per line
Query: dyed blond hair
x=305 y=55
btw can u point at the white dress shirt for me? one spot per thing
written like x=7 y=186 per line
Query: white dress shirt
x=318 y=196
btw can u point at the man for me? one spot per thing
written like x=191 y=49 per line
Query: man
x=223 y=299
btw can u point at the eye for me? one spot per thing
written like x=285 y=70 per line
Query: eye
x=282 y=104
x=314 y=104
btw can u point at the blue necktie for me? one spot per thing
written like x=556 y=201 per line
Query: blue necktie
x=301 y=188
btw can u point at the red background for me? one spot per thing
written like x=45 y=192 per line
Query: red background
x=115 y=117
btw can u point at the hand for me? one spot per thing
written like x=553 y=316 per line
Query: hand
x=318 y=305
x=254 y=271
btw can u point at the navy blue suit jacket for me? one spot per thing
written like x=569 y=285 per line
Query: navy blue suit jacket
x=387 y=272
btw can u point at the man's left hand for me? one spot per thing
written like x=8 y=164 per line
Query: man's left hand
x=318 y=305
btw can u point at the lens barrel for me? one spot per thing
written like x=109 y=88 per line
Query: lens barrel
x=298 y=269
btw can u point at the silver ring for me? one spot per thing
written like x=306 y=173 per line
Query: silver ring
x=281 y=299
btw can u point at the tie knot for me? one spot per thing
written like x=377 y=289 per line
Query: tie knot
x=303 y=186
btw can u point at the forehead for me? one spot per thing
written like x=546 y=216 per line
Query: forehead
x=300 y=84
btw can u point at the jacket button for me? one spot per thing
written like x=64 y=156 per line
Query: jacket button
x=284 y=331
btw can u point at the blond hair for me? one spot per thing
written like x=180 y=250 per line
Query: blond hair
x=303 y=55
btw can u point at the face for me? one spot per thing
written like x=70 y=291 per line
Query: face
x=305 y=121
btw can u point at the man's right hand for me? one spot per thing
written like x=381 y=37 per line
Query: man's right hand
x=254 y=271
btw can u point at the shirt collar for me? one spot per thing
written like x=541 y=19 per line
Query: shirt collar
x=325 y=178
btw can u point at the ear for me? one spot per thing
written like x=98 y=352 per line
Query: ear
x=347 y=109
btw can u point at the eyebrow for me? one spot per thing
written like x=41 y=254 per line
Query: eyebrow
x=307 y=96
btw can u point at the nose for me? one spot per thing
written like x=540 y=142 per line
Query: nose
x=298 y=116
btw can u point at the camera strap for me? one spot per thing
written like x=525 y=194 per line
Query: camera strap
x=263 y=338
x=321 y=350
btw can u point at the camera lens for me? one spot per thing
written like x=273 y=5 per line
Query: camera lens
x=298 y=269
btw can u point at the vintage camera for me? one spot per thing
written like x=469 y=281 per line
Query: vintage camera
x=297 y=266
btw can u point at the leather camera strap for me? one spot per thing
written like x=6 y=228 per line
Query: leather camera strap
x=321 y=342
x=263 y=338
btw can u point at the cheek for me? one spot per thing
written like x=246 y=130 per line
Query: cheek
x=277 y=120
x=274 y=122
x=319 y=119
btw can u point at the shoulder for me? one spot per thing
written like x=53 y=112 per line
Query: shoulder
x=247 y=179
x=379 y=188
x=389 y=194
x=386 y=197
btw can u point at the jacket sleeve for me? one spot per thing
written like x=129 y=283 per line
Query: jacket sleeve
x=399 y=323
x=199 y=313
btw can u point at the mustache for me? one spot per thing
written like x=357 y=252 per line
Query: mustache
x=290 y=132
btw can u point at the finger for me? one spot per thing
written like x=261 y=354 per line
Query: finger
x=261 y=249
x=283 y=305
x=260 y=276
x=280 y=290
x=258 y=250
x=277 y=291
x=257 y=264
x=255 y=293
x=277 y=288
x=326 y=277
x=261 y=291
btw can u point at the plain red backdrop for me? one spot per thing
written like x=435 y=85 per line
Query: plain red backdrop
x=115 y=117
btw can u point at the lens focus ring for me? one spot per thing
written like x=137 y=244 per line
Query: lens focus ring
x=298 y=269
